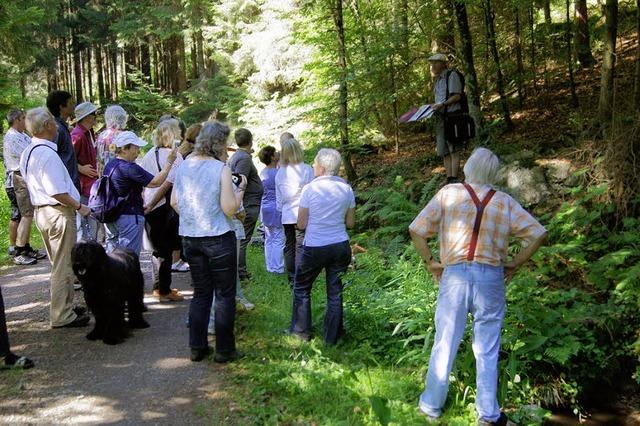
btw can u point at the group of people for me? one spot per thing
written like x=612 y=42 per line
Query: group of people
x=200 y=207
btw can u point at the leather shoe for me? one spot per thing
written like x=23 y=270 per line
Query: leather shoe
x=228 y=357
x=200 y=354
x=80 y=310
x=80 y=321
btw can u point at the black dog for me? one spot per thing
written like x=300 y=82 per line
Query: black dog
x=109 y=281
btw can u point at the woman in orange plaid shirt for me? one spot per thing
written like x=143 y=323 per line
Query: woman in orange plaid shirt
x=473 y=222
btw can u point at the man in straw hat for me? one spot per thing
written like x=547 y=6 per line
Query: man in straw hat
x=450 y=152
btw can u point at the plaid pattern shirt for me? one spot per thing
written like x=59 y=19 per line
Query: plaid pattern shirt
x=451 y=215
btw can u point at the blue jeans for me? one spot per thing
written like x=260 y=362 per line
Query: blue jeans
x=125 y=232
x=334 y=259
x=467 y=288
x=212 y=261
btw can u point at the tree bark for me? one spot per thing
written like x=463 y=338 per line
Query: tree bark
x=572 y=83
x=491 y=36
x=583 y=39
x=181 y=63
x=636 y=83
x=200 y=57
x=532 y=30
x=519 y=64
x=605 y=103
x=145 y=60
x=342 y=89
x=471 y=78
x=89 y=73
x=546 y=5
x=100 y=74
x=77 y=66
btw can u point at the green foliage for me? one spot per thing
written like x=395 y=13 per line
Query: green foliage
x=211 y=94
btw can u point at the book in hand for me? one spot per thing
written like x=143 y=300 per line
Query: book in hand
x=417 y=114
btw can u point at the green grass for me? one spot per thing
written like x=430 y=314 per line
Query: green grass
x=283 y=380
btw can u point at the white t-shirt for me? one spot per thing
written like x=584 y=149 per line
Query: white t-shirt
x=150 y=164
x=46 y=174
x=328 y=198
x=290 y=180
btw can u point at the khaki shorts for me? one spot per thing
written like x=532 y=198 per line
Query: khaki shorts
x=22 y=196
x=444 y=147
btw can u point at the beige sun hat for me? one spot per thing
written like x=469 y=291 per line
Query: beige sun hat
x=126 y=138
x=84 y=109
x=438 y=57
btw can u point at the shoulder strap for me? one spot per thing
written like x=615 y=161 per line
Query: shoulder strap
x=158 y=159
x=446 y=96
x=480 y=206
x=26 y=164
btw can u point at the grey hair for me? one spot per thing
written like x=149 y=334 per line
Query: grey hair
x=13 y=115
x=330 y=160
x=166 y=132
x=212 y=139
x=115 y=117
x=482 y=167
x=37 y=119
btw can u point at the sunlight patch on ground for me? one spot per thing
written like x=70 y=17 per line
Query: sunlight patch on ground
x=25 y=307
x=171 y=363
x=74 y=410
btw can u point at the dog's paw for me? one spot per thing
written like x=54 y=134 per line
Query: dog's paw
x=111 y=340
x=139 y=324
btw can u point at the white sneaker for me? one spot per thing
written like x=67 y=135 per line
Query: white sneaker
x=248 y=306
x=180 y=266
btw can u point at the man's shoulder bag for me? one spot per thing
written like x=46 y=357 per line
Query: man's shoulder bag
x=458 y=125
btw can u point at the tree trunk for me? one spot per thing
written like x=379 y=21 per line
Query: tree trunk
x=181 y=63
x=583 y=42
x=342 y=89
x=605 y=103
x=156 y=66
x=491 y=36
x=546 y=5
x=401 y=20
x=89 y=73
x=77 y=66
x=471 y=79
x=519 y=65
x=444 y=40
x=145 y=60
x=200 y=57
x=636 y=84
x=114 y=71
x=194 y=57
x=98 y=54
x=534 y=71
x=572 y=83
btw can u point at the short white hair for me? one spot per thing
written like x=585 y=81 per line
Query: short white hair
x=115 y=117
x=37 y=119
x=482 y=167
x=330 y=160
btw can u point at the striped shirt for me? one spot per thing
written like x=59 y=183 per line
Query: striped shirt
x=451 y=215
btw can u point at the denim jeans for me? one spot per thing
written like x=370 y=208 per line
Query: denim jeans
x=125 y=232
x=249 y=225
x=467 y=288
x=335 y=259
x=292 y=249
x=88 y=225
x=212 y=261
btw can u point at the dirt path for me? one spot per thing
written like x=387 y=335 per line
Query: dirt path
x=147 y=379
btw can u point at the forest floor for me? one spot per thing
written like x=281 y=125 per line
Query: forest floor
x=148 y=378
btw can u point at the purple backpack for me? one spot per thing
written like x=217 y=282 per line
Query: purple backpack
x=104 y=201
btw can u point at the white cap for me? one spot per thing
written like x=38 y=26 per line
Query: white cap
x=438 y=57
x=127 y=137
x=84 y=109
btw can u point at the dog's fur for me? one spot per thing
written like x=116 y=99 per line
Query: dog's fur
x=109 y=281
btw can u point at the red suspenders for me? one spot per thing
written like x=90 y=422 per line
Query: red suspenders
x=480 y=206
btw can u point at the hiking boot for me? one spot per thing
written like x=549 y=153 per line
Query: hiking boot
x=22 y=259
x=503 y=420
x=80 y=321
x=36 y=254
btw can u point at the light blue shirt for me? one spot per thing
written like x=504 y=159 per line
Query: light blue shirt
x=198 y=195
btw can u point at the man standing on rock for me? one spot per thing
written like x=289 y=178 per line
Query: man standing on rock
x=242 y=163
x=56 y=201
x=444 y=104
